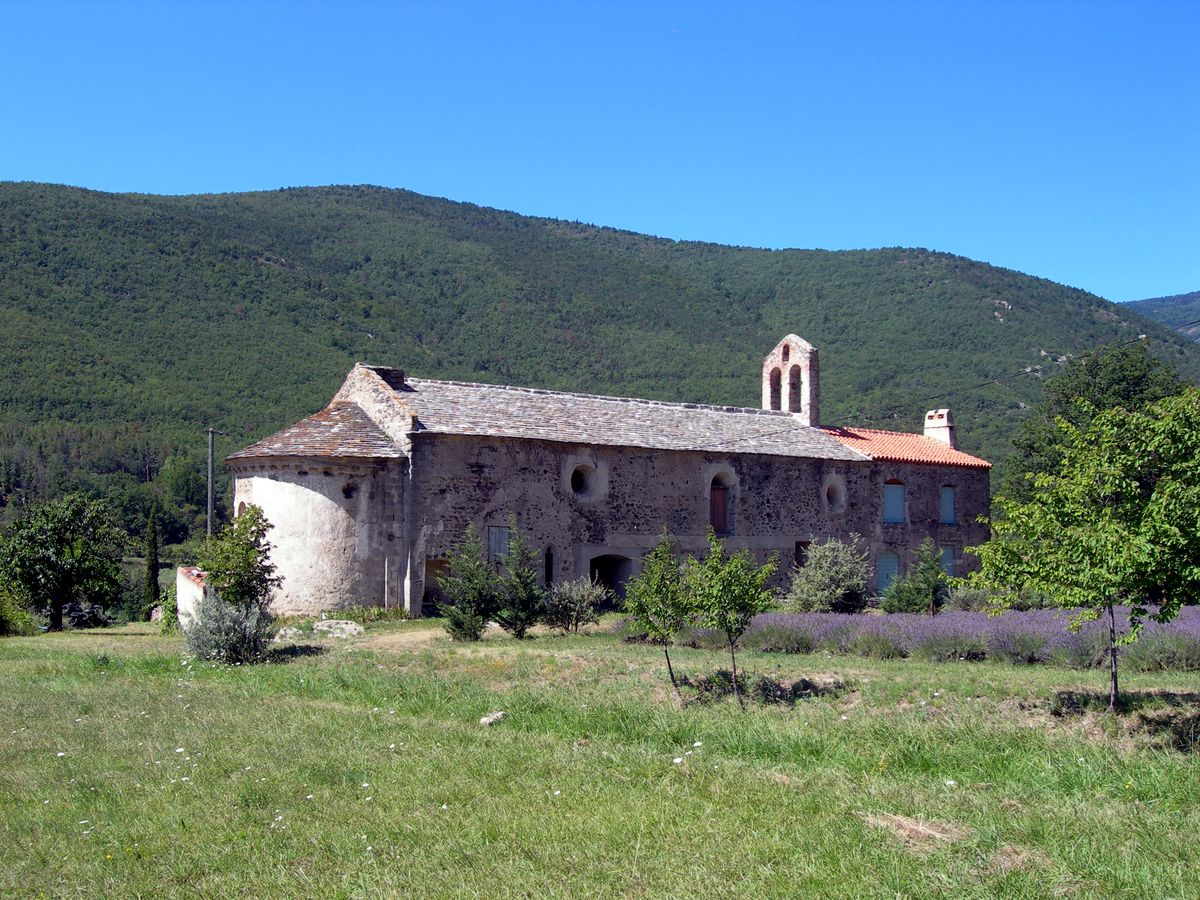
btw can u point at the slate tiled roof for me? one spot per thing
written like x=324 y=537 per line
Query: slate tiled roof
x=898 y=446
x=451 y=407
x=339 y=430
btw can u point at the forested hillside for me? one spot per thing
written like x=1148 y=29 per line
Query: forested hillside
x=129 y=323
x=1181 y=312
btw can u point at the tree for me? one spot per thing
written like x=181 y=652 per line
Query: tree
x=1117 y=523
x=522 y=599
x=925 y=587
x=833 y=578
x=237 y=561
x=235 y=624
x=152 y=590
x=470 y=588
x=64 y=551
x=656 y=602
x=572 y=604
x=727 y=593
x=1123 y=376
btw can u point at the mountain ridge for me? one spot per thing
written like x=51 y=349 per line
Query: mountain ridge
x=128 y=323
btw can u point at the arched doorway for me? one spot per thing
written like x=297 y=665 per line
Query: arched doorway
x=613 y=571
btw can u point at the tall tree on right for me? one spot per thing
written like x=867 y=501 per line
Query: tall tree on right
x=1118 y=523
x=1117 y=376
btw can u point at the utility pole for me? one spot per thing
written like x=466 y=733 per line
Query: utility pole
x=211 y=432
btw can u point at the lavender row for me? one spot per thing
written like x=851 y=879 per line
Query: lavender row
x=1034 y=636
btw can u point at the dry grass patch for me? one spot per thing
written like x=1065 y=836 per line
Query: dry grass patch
x=918 y=835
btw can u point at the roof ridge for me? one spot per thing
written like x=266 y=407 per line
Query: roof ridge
x=641 y=401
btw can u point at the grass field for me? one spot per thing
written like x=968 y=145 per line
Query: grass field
x=363 y=770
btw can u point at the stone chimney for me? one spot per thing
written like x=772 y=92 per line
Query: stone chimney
x=939 y=425
x=791 y=380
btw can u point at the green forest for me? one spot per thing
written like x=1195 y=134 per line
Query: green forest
x=130 y=323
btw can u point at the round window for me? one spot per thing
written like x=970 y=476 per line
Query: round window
x=835 y=495
x=582 y=480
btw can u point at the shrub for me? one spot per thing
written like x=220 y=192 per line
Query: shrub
x=1162 y=652
x=231 y=632
x=235 y=624
x=874 y=645
x=522 y=599
x=951 y=647
x=780 y=639
x=573 y=604
x=470 y=588
x=834 y=579
x=970 y=599
x=923 y=589
x=15 y=618
x=1022 y=647
x=169 y=623
x=1087 y=651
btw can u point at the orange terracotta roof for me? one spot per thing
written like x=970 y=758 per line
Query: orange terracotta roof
x=192 y=574
x=898 y=446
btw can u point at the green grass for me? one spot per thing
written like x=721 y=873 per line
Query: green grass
x=364 y=771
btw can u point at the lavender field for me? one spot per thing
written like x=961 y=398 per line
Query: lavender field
x=1035 y=636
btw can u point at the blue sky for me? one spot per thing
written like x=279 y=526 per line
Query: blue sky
x=1058 y=138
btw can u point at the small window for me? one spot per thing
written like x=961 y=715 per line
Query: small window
x=835 y=495
x=787 y=351
x=802 y=553
x=947 y=506
x=718 y=506
x=497 y=542
x=549 y=573
x=241 y=508
x=582 y=480
x=887 y=570
x=948 y=561
x=893 y=503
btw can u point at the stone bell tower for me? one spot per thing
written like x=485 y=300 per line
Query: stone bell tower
x=791 y=380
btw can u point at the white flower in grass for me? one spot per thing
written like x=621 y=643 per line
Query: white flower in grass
x=950 y=782
x=60 y=754
x=180 y=750
x=309 y=797
x=677 y=760
x=698 y=744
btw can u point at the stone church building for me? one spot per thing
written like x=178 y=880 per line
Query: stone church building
x=368 y=495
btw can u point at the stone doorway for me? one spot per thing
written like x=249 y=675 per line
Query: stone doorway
x=613 y=571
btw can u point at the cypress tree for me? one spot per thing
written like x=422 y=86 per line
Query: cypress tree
x=152 y=592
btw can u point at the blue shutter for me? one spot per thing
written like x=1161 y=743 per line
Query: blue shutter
x=887 y=570
x=893 y=504
x=948 y=560
x=948 y=517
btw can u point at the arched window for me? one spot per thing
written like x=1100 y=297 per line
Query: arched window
x=887 y=570
x=794 y=379
x=718 y=505
x=549 y=574
x=776 y=389
x=893 y=502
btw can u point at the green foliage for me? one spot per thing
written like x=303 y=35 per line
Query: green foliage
x=237 y=561
x=108 y=389
x=64 y=551
x=572 y=604
x=727 y=592
x=227 y=632
x=471 y=589
x=833 y=578
x=1120 y=376
x=656 y=602
x=365 y=615
x=151 y=597
x=522 y=599
x=1118 y=523
x=169 y=623
x=15 y=617
x=923 y=589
